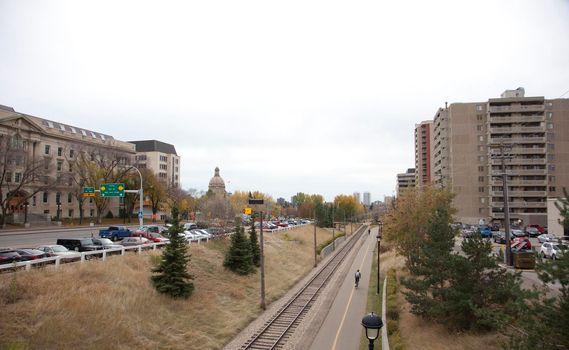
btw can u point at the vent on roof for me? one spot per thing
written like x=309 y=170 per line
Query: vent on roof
x=103 y=137
x=62 y=127
x=83 y=133
x=93 y=134
x=73 y=130
x=50 y=124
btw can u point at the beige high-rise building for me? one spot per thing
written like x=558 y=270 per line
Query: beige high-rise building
x=424 y=139
x=161 y=158
x=535 y=150
x=405 y=180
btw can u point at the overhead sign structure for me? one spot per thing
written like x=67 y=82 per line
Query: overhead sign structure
x=111 y=190
x=256 y=201
x=88 y=191
x=247 y=211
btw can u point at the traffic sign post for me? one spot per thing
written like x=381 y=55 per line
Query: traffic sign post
x=111 y=190
x=247 y=211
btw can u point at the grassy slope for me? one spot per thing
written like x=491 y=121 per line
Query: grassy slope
x=112 y=304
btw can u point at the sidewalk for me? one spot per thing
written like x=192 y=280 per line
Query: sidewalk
x=341 y=329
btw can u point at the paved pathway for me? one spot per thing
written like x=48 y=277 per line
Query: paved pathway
x=341 y=329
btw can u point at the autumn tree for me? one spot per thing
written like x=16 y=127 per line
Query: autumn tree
x=405 y=224
x=21 y=176
x=154 y=190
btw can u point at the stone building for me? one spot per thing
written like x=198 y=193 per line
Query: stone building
x=217 y=185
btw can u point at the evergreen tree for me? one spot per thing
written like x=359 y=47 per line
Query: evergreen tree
x=461 y=292
x=255 y=249
x=171 y=275
x=239 y=257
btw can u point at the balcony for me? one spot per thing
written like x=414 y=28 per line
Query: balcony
x=517 y=129
x=520 y=204
x=520 y=182
x=518 y=161
x=516 y=108
x=519 y=140
x=520 y=150
x=517 y=119
x=520 y=193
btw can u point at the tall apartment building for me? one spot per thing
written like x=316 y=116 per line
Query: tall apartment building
x=405 y=180
x=37 y=157
x=358 y=197
x=532 y=133
x=161 y=158
x=367 y=198
x=424 y=138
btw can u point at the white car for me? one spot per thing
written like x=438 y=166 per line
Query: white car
x=548 y=237
x=192 y=236
x=205 y=234
x=552 y=250
x=59 y=250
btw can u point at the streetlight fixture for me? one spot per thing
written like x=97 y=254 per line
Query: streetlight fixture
x=372 y=324
x=379 y=232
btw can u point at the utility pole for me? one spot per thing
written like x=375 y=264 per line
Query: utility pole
x=263 y=305
x=315 y=257
x=503 y=156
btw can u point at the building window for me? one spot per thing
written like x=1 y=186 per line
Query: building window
x=69 y=197
x=59 y=151
x=551 y=188
x=480 y=210
x=481 y=168
x=549 y=115
x=70 y=181
x=480 y=148
x=480 y=158
x=34 y=201
x=70 y=213
x=552 y=179
x=70 y=167
x=480 y=178
x=17 y=177
x=550 y=146
x=58 y=198
x=479 y=108
x=481 y=138
x=45 y=197
x=481 y=189
x=176 y=161
x=71 y=153
x=479 y=117
x=479 y=127
x=45 y=180
x=90 y=199
x=91 y=212
x=550 y=126
x=46 y=149
x=59 y=165
x=482 y=200
x=551 y=167
x=8 y=177
x=46 y=211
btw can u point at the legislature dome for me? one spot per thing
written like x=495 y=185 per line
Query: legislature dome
x=216 y=184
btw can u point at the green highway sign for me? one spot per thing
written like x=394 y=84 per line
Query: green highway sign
x=111 y=190
x=88 y=191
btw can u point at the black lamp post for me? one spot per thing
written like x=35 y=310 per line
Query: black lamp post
x=379 y=231
x=58 y=209
x=372 y=324
x=26 y=212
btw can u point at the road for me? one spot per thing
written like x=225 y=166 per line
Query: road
x=37 y=237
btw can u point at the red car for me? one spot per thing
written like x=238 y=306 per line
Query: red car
x=538 y=227
x=152 y=236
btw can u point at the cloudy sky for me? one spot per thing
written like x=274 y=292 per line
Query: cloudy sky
x=284 y=96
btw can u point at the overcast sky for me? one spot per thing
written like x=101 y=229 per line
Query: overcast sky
x=285 y=97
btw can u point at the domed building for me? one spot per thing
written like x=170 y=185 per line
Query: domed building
x=217 y=185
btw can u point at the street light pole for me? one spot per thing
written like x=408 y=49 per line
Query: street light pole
x=141 y=199
x=315 y=258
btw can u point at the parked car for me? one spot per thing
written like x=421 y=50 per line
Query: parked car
x=115 y=232
x=495 y=227
x=532 y=231
x=8 y=256
x=537 y=227
x=205 y=234
x=191 y=236
x=31 y=254
x=485 y=231
x=552 y=250
x=190 y=226
x=133 y=241
x=59 y=250
x=155 y=228
x=547 y=237
x=518 y=233
x=79 y=244
x=499 y=237
x=106 y=243
x=154 y=237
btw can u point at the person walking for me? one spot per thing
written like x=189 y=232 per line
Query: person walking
x=358 y=275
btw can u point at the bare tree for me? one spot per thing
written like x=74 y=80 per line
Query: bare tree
x=21 y=175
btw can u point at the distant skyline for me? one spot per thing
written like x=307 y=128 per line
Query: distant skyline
x=298 y=96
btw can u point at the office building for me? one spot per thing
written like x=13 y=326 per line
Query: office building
x=367 y=199
x=358 y=197
x=161 y=158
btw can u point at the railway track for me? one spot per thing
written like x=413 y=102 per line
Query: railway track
x=275 y=332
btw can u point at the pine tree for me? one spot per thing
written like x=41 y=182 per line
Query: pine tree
x=255 y=249
x=171 y=275
x=239 y=257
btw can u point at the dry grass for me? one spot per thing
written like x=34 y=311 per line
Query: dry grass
x=420 y=334
x=104 y=305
